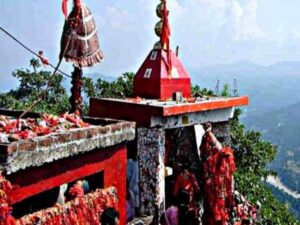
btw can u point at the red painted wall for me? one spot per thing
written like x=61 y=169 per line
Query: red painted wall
x=112 y=161
x=159 y=85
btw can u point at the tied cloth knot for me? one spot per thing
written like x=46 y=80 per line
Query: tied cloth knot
x=77 y=5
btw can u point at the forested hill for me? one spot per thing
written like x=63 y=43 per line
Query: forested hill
x=282 y=128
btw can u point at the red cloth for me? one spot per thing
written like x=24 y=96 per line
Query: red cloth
x=187 y=181
x=5 y=207
x=76 y=190
x=77 y=4
x=44 y=61
x=79 y=211
x=65 y=8
x=218 y=172
x=165 y=37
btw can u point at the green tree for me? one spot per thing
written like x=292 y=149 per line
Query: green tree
x=226 y=90
x=199 y=92
x=120 y=88
x=31 y=86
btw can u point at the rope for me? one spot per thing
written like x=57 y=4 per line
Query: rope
x=44 y=93
x=32 y=52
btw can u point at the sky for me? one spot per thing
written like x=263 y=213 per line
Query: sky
x=208 y=32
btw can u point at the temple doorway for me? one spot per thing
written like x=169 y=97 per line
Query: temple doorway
x=181 y=145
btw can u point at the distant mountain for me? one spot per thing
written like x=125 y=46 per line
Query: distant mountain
x=95 y=76
x=282 y=126
x=269 y=87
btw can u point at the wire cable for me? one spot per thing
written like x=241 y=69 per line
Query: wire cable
x=32 y=52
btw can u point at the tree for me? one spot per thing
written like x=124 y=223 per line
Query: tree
x=198 y=92
x=226 y=90
x=120 y=88
x=31 y=85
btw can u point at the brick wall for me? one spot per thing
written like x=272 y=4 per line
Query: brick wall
x=37 y=151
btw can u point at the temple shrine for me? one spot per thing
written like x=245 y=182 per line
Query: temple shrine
x=168 y=119
x=163 y=119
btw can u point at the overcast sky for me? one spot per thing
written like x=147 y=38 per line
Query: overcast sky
x=209 y=32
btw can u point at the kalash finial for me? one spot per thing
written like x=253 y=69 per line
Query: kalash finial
x=162 y=30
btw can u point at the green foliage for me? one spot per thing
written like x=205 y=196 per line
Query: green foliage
x=31 y=85
x=197 y=91
x=226 y=90
x=121 y=88
x=291 y=203
x=252 y=155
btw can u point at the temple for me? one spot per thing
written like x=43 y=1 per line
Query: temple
x=163 y=120
x=169 y=121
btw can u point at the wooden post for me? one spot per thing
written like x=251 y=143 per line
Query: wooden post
x=76 y=98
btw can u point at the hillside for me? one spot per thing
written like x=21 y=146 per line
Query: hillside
x=274 y=110
x=282 y=128
x=292 y=204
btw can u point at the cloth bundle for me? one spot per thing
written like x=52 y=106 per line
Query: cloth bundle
x=218 y=178
x=218 y=169
x=79 y=41
x=222 y=205
x=243 y=211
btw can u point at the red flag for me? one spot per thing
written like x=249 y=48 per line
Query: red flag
x=165 y=37
x=65 y=7
x=44 y=60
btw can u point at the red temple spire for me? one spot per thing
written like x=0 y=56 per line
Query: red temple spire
x=162 y=74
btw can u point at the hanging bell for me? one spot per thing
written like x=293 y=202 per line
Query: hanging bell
x=79 y=42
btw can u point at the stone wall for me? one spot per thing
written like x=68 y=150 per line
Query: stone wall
x=222 y=132
x=151 y=155
x=182 y=142
x=155 y=145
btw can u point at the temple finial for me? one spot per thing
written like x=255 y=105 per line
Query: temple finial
x=162 y=28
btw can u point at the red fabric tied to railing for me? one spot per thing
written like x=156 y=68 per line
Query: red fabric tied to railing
x=83 y=210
